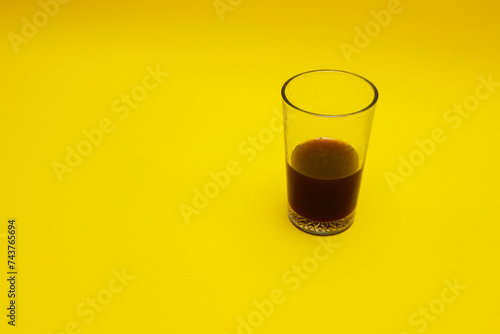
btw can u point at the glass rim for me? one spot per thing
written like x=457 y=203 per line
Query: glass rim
x=287 y=101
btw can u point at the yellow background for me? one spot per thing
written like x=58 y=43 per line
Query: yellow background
x=119 y=209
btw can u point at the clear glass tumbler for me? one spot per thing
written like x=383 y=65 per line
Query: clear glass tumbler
x=328 y=116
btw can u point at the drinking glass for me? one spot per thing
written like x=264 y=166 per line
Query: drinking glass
x=327 y=117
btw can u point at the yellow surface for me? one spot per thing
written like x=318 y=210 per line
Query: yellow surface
x=103 y=246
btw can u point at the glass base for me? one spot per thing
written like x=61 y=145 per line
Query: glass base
x=320 y=228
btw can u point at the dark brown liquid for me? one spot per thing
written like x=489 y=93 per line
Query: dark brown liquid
x=323 y=179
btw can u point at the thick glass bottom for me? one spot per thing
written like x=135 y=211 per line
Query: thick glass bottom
x=321 y=228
